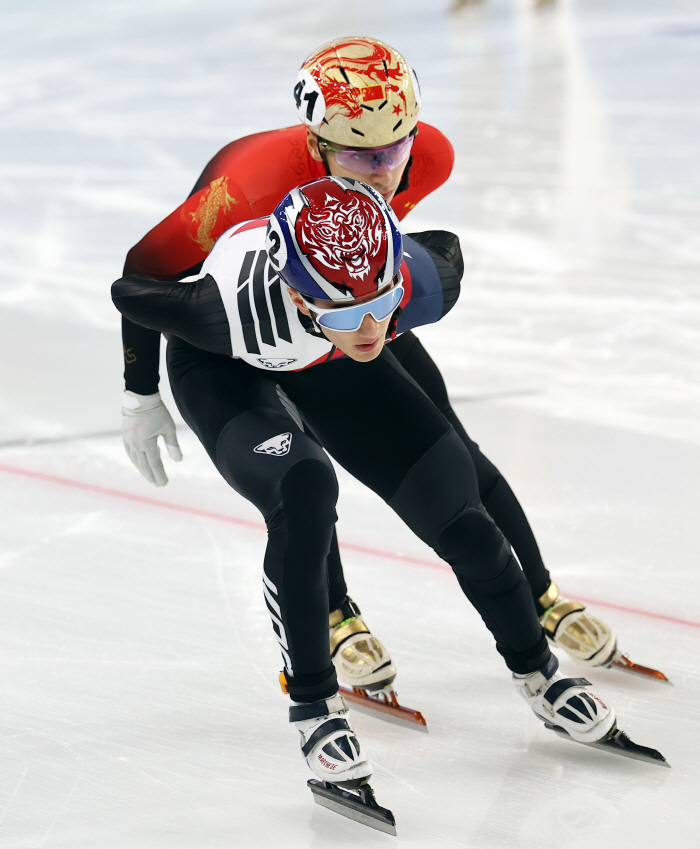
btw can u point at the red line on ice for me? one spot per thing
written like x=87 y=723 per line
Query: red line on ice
x=348 y=546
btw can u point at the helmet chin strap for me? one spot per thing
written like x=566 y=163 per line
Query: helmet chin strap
x=403 y=185
x=391 y=329
x=310 y=325
x=325 y=163
x=322 y=154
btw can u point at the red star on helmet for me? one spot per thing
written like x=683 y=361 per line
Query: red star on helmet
x=397 y=109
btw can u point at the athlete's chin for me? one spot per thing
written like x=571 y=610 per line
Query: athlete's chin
x=365 y=351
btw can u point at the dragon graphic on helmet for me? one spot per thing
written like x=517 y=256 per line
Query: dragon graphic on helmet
x=358 y=92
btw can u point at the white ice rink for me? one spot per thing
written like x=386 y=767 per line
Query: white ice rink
x=139 y=707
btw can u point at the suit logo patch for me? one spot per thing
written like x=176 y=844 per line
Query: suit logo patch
x=278 y=446
x=275 y=362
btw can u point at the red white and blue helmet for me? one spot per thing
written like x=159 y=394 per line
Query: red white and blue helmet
x=334 y=239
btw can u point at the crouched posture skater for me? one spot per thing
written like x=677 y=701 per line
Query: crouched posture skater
x=297 y=308
x=359 y=104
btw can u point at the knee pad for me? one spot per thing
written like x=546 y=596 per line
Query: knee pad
x=440 y=486
x=300 y=529
x=309 y=492
x=474 y=546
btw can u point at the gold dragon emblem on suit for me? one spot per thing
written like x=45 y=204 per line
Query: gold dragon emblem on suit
x=213 y=200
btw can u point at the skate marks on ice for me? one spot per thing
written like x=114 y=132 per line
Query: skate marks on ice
x=493 y=396
x=31 y=442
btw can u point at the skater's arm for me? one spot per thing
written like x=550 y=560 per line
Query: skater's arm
x=435 y=267
x=445 y=251
x=141 y=358
x=176 y=248
x=141 y=347
x=183 y=240
x=193 y=311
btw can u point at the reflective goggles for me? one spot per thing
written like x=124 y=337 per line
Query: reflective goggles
x=371 y=160
x=349 y=319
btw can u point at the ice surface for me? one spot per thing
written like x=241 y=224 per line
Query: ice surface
x=139 y=702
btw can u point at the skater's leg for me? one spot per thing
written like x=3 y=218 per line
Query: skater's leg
x=266 y=457
x=380 y=425
x=495 y=493
x=424 y=471
x=337 y=588
x=360 y=658
x=455 y=524
x=586 y=639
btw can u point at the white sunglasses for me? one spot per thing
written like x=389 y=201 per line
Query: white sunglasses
x=348 y=319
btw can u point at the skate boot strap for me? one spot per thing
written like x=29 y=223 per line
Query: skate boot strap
x=553 y=619
x=347 y=629
x=323 y=730
x=558 y=687
x=347 y=610
x=315 y=710
x=549 y=597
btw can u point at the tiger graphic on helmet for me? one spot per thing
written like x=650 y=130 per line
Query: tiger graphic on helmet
x=341 y=234
x=335 y=239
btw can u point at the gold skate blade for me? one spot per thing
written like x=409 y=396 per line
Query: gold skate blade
x=385 y=704
x=618 y=743
x=621 y=661
x=360 y=806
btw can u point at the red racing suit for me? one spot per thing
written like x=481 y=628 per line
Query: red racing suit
x=246 y=180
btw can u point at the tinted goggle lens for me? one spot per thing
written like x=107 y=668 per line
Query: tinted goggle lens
x=348 y=319
x=374 y=160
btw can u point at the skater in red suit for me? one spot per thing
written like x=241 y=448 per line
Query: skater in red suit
x=359 y=103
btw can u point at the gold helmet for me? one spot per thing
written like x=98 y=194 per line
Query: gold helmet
x=358 y=92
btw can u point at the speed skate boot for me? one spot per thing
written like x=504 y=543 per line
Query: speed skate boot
x=567 y=706
x=336 y=758
x=363 y=664
x=566 y=703
x=359 y=658
x=588 y=641
x=328 y=742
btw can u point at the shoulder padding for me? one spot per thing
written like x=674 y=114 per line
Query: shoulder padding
x=446 y=253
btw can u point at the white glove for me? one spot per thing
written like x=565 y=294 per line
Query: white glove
x=145 y=418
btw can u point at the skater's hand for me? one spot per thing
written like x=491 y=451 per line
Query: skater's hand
x=144 y=419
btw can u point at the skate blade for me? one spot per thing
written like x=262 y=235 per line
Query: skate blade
x=621 y=661
x=385 y=703
x=360 y=806
x=618 y=743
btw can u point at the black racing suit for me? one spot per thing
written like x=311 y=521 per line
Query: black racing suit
x=425 y=472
